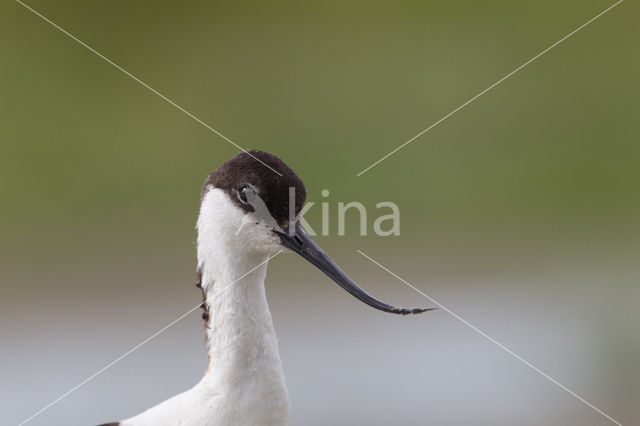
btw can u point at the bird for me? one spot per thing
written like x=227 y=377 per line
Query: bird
x=249 y=210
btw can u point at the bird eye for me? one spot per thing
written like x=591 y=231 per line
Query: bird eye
x=242 y=194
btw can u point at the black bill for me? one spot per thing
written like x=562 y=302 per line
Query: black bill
x=299 y=241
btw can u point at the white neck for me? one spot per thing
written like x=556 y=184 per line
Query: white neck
x=244 y=363
x=242 y=344
x=244 y=383
x=239 y=317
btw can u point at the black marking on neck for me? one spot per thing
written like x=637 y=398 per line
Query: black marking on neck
x=110 y=424
x=205 y=310
x=243 y=169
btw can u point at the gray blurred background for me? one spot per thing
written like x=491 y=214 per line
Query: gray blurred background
x=520 y=213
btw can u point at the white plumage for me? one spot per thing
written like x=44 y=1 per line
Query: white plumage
x=244 y=384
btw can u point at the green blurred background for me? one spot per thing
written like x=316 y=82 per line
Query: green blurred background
x=520 y=212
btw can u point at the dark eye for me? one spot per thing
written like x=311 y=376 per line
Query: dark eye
x=242 y=193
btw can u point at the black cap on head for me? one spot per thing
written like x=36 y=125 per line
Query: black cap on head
x=244 y=169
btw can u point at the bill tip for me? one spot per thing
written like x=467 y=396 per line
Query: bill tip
x=406 y=311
